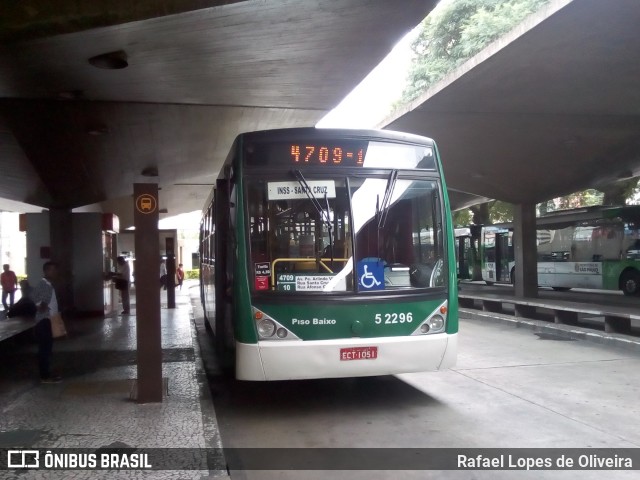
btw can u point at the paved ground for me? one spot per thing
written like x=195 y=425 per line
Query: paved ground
x=92 y=408
x=512 y=388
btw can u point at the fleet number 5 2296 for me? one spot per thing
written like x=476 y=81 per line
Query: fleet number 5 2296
x=391 y=318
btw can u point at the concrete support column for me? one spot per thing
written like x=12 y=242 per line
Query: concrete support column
x=60 y=237
x=148 y=337
x=171 y=272
x=617 y=325
x=524 y=242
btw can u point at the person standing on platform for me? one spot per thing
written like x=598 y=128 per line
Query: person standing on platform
x=44 y=296
x=163 y=275
x=180 y=275
x=9 y=286
x=124 y=277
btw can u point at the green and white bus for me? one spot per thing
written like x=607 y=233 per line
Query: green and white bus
x=593 y=247
x=329 y=253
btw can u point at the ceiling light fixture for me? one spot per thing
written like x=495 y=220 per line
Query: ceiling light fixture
x=149 y=172
x=71 y=95
x=97 y=130
x=110 y=61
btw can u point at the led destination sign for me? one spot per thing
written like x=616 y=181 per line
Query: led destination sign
x=346 y=153
x=305 y=154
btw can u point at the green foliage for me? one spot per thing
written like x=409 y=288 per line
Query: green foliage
x=501 y=212
x=584 y=198
x=488 y=213
x=462 y=218
x=455 y=32
x=619 y=193
x=480 y=214
x=634 y=197
x=192 y=274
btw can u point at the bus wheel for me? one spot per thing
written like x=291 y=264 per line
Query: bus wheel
x=630 y=282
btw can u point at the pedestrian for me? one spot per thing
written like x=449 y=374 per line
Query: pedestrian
x=24 y=307
x=163 y=275
x=180 y=275
x=123 y=278
x=9 y=286
x=44 y=297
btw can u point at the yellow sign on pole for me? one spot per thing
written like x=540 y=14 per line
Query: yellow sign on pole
x=146 y=203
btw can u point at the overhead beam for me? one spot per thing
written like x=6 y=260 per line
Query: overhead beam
x=30 y=19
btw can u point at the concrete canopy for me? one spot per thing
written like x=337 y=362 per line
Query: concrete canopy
x=199 y=73
x=552 y=108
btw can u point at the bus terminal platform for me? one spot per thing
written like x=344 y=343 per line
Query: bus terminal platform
x=94 y=407
x=612 y=321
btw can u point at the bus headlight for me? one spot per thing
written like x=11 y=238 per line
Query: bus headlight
x=269 y=329
x=266 y=328
x=436 y=323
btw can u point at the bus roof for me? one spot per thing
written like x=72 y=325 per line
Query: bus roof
x=576 y=215
x=312 y=132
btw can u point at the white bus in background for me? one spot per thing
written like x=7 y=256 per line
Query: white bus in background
x=594 y=247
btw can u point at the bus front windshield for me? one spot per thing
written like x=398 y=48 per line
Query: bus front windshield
x=345 y=234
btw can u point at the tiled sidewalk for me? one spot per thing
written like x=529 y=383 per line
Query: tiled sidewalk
x=91 y=408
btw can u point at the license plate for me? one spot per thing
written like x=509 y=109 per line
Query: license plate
x=359 y=353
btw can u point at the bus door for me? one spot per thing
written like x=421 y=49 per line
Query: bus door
x=464 y=256
x=488 y=256
x=503 y=249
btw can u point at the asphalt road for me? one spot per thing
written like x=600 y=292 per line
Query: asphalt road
x=510 y=389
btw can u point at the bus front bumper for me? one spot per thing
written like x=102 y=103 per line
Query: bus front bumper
x=295 y=360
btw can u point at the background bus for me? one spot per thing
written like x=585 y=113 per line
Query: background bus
x=467 y=252
x=594 y=247
x=464 y=261
x=329 y=253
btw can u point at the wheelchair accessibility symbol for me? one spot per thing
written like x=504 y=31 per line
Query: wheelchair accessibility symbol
x=370 y=275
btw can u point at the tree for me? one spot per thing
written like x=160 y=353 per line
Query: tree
x=462 y=218
x=454 y=32
x=488 y=213
x=457 y=30
x=583 y=198
x=480 y=213
x=619 y=192
x=501 y=212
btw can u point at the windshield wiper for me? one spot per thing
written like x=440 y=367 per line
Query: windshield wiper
x=383 y=210
x=316 y=204
x=329 y=228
